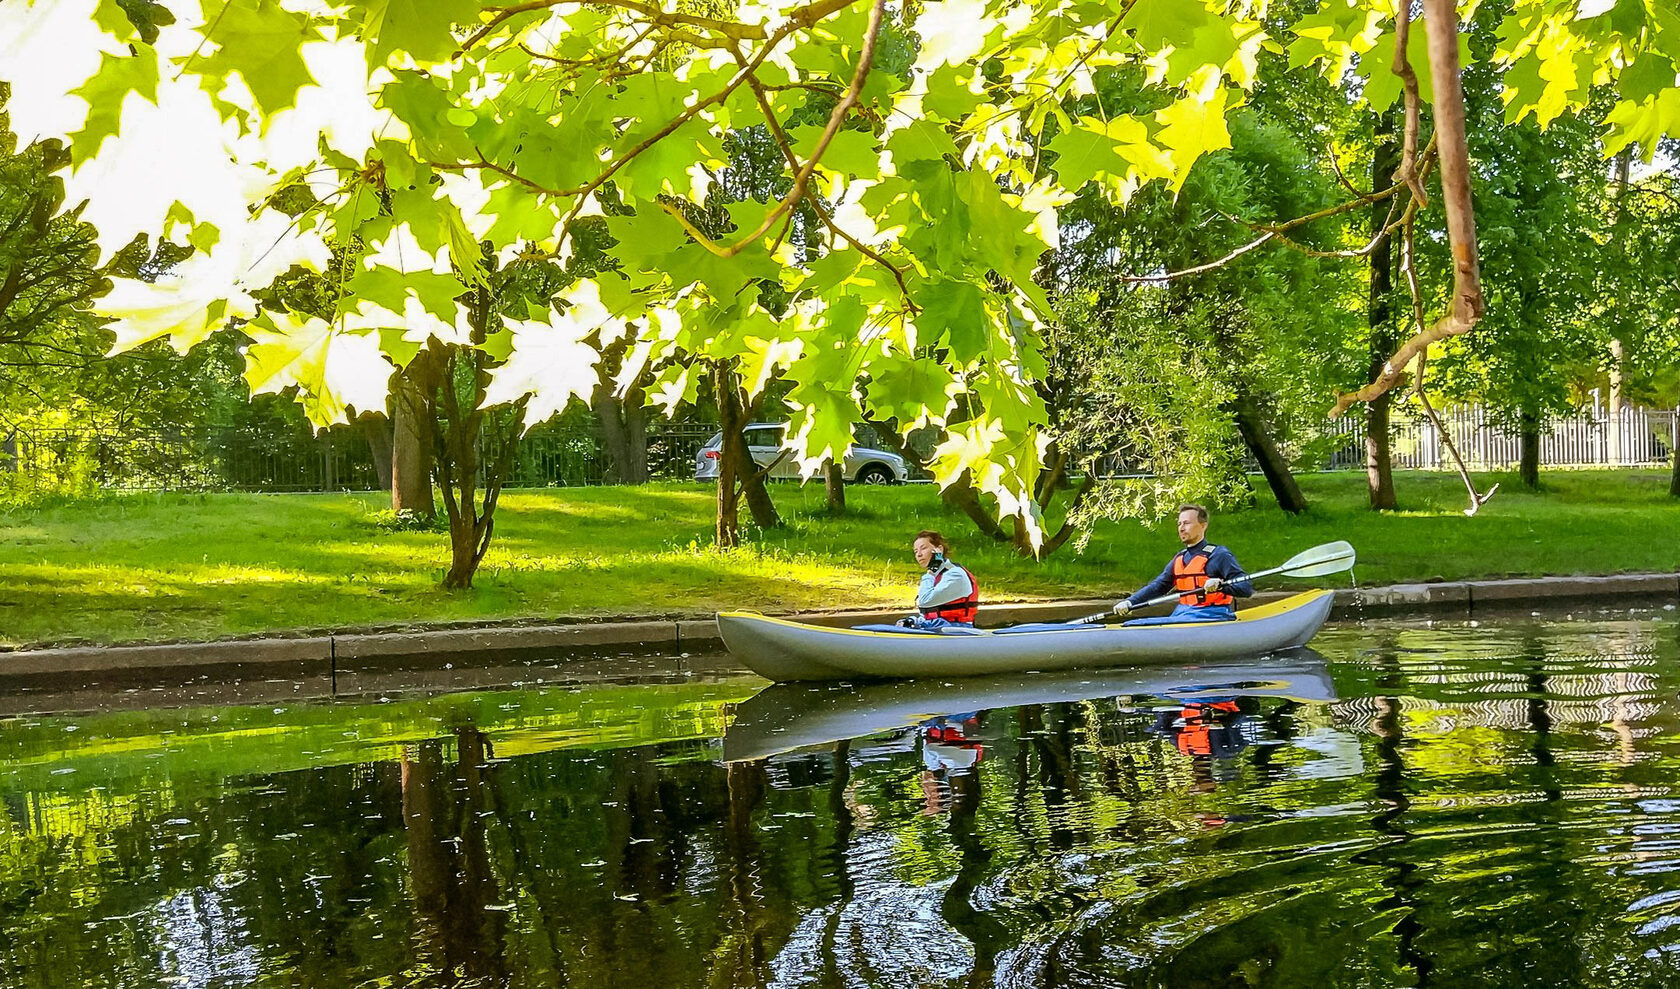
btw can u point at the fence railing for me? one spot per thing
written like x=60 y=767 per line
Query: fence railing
x=1585 y=439
x=257 y=459
x=286 y=459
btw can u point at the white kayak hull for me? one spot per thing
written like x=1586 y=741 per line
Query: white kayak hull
x=787 y=651
x=784 y=717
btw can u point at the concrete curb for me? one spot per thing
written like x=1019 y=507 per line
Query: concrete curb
x=335 y=655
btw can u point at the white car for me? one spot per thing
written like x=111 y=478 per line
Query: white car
x=764 y=442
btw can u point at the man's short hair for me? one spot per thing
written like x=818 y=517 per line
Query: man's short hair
x=932 y=537
x=1201 y=512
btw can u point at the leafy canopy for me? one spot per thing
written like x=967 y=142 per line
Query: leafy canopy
x=925 y=151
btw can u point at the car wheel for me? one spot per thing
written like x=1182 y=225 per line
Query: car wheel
x=874 y=474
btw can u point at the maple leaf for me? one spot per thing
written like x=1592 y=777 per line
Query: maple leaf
x=333 y=370
x=551 y=362
x=260 y=42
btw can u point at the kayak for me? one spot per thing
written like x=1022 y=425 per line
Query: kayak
x=787 y=716
x=785 y=651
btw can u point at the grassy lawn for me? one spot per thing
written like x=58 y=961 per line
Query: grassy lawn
x=157 y=567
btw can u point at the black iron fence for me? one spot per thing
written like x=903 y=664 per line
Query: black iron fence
x=284 y=458
x=74 y=461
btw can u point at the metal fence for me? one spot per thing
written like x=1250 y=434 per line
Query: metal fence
x=283 y=459
x=286 y=458
x=1585 y=439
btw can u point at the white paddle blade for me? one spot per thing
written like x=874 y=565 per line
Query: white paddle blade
x=1320 y=560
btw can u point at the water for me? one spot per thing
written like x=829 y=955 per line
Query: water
x=1461 y=804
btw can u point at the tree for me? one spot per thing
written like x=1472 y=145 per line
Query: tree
x=53 y=369
x=1203 y=364
x=1639 y=287
x=507 y=126
x=498 y=129
x=1536 y=191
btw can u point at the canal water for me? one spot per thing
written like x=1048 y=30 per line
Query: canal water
x=1491 y=803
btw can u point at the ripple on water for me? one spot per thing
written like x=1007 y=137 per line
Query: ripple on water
x=1454 y=804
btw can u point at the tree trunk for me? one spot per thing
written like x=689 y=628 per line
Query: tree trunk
x=1618 y=354
x=758 y=496
x=1528 y=455
x=623 y=420
x=458 y=478
x=376 y=429
x=1273 y=464
x=411 y=453
x=1379 y=454
x=960 y=494
x=834 y=487
x=1674 y=468
x=467 y=438
x=1618 y=363
x=624 y=430
x=892 y=442
x=733 y=458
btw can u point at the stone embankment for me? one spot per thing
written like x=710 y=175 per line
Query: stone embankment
x=336 y=654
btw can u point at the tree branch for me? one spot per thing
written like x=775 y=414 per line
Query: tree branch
x=780 y=137
x=802 y=17
x=1467 y=302
x=802 y=180
x=1402 y=67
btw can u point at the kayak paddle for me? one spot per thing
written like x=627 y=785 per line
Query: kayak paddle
x=1316 y=562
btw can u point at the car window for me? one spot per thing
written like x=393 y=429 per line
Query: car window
x=766 y=436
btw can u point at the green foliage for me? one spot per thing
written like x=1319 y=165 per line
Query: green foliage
x=408 y=520
x=1154 y=370
x=770 y=203
x=423 y=130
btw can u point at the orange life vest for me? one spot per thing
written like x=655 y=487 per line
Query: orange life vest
x=1195 y=738
x=1189 y=578
x=963 y=610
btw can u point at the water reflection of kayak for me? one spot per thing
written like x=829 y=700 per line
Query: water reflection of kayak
x=791 y=716
x=784 y=650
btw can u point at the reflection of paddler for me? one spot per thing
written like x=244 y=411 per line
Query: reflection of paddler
x=1208 y=730
x=948 y=742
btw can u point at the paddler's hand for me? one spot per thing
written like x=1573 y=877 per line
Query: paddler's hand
x=907 y=623
x=1212 y=586
x=1122 y=608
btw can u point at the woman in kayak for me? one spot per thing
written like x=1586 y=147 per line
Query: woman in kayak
x=1208 y=578
x=948 y=594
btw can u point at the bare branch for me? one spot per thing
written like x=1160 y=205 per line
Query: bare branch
x=780 y=137
x=1341 y=176
x=1402 y=67
x=866 y=60
x=1198 y=269
x=1477 y=500
x=802 y=17
x=1467 y=302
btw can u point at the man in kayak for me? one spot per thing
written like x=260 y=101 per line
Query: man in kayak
x=1207 y=578
x=948 y=595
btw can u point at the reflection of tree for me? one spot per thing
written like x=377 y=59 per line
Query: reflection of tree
x=1051 y=738
x=1403 y=880
x=640 y=851
x=839 y=862
x=741 y=957
x=1540 y=718
x=983 y=930
x=449 y=859
x=1280 y=730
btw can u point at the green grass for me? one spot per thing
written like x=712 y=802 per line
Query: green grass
x=159 y=567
